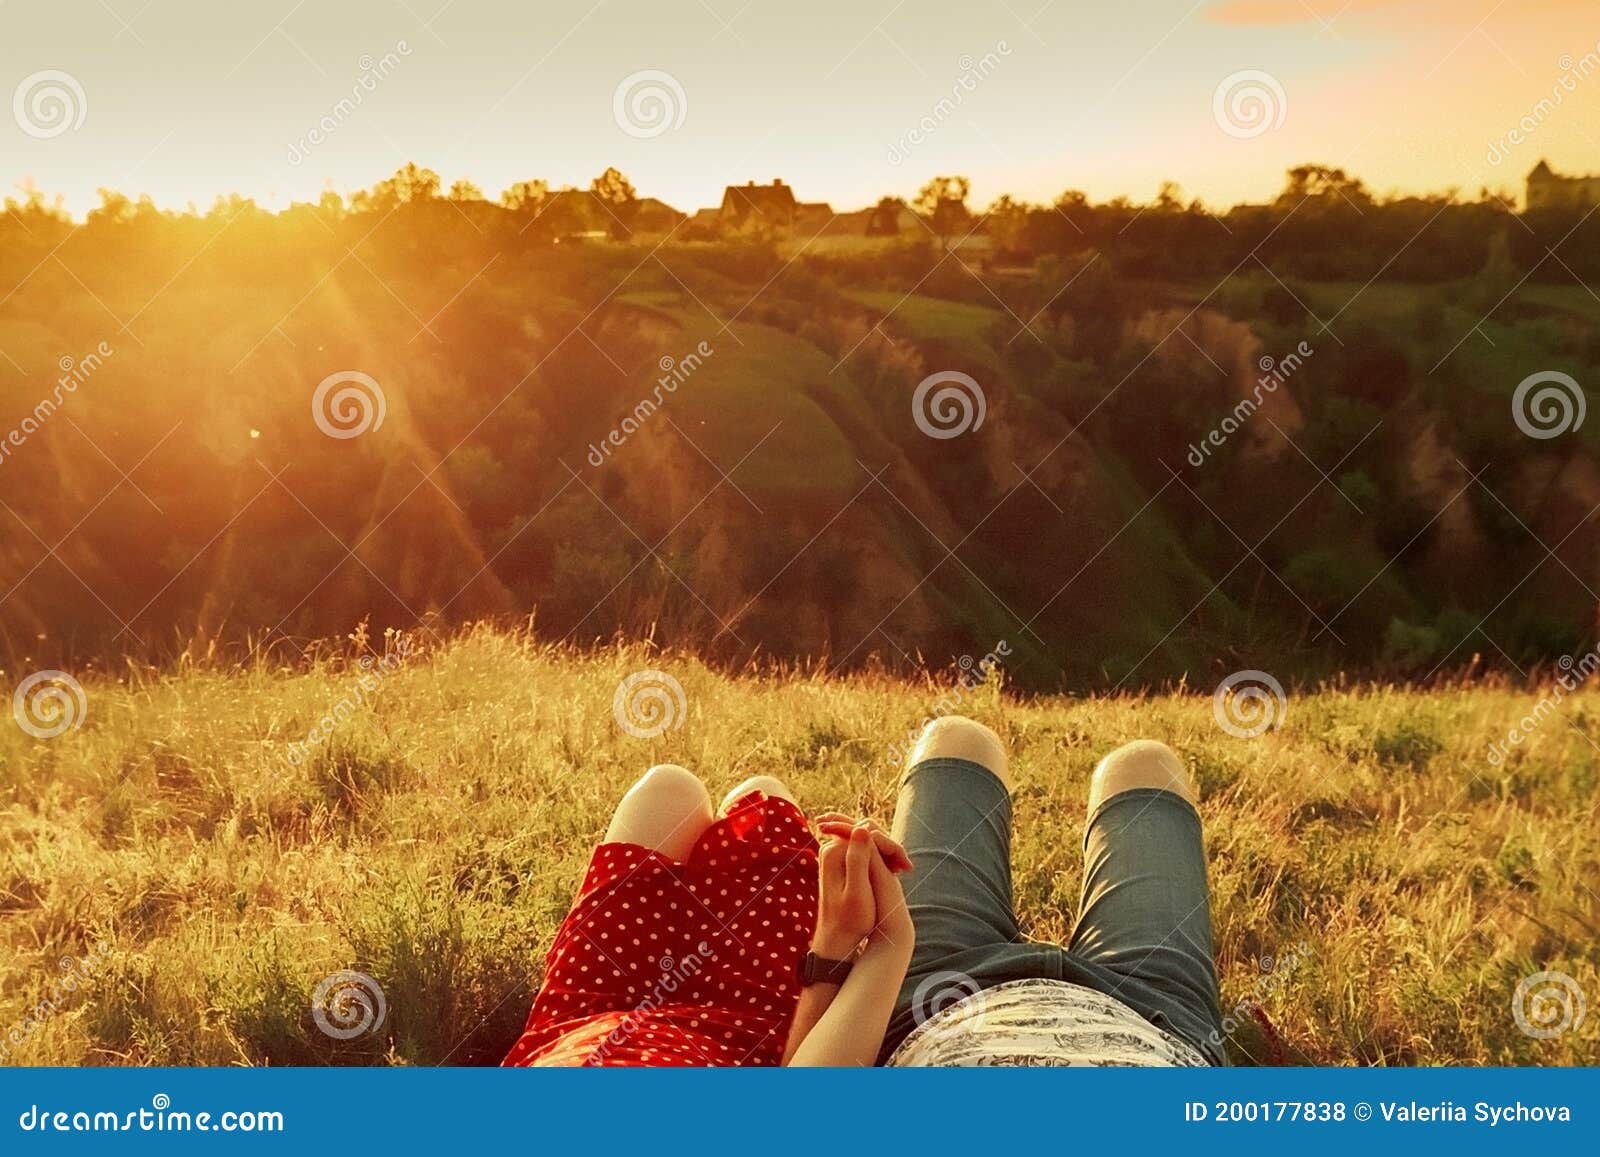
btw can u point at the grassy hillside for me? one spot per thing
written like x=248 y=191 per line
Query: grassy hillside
x=786 y=494
x=434 y=839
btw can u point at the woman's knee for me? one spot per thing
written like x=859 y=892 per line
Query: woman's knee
x=957 y=737
x=667 y=809
x=1144 y=763
x=763 y=783
x=668 y=781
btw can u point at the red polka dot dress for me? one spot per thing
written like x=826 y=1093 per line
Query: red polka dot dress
x=693 y=963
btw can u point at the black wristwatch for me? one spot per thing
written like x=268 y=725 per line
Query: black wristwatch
x=816 y=969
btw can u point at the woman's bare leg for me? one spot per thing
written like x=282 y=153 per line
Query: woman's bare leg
x=668 y=810
x=764 y=783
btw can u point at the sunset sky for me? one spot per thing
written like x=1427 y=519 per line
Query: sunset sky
x=186 y=99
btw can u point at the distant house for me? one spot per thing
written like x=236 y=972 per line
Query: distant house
x=579 y=215
x=811 y=217
x=891 y=217
x=1547 y=190
x=958 y=230
x=574 y=213
x=851 y=224
x=753 y=208
x=974 y=241
x=651 y=215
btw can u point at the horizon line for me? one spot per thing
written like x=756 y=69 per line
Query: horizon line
x=28 y=186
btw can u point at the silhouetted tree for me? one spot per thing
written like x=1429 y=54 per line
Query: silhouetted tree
x=943 y=201
x=617 y=194
x=1008 y=223
x=1321 y=181
x=525 y=195
x=408 y=185
x=885 y=218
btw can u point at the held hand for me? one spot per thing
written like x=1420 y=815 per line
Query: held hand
x=839 y=825
x=860 y=901
x=893 y=925
x=894 y=930
x=847 y=907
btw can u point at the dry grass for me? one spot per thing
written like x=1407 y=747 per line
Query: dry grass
x=434 y=840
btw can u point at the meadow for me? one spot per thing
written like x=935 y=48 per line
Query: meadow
x=1380 y=885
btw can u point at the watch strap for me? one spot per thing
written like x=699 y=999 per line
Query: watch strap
x=816 y=969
